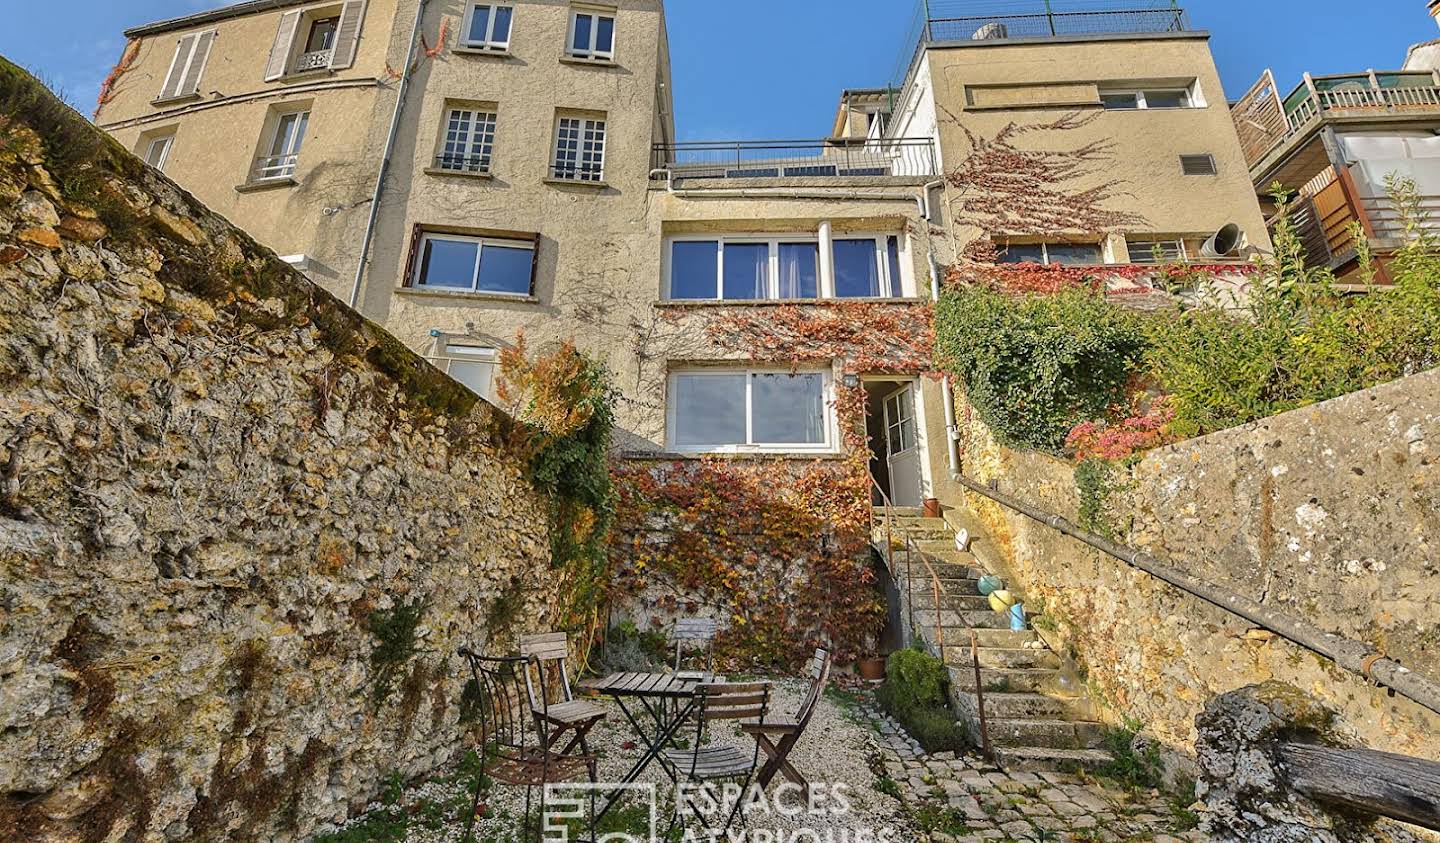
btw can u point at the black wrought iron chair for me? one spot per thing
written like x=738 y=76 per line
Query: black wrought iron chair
x=702 y=762
x=514 y=749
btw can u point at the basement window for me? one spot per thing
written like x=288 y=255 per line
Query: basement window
x=1156 y=251
x=1075 y=254
x=472 y=365
x=730 y=410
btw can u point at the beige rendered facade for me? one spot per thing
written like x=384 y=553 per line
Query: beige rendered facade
x=536 y=185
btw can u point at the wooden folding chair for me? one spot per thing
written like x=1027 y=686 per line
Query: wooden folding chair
x=511 y=752
x=691 y=635
x=777 y=736
x=702 y=762
x=547 y=677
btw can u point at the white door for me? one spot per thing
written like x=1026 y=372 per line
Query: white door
x=903 y=455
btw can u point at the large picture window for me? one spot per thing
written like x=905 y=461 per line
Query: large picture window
x=781 y=267
x=475 y=264
x=738 y=410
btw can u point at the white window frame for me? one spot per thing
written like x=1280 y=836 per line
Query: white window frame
x=489 y=43
x=168 y=139
x=482 y=242
x=270 y=166
x=891 y=288
x=1101 y=248
x=586 y=124
x=451 y=350
x=1141 y=250
x=1194 y=96
x=595 y=14
x=487 y=148
x=827 y=391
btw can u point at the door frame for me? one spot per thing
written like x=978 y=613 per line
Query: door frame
x=919 y=444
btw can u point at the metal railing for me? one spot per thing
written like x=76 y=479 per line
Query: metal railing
x=275 y=167
x=463 y=163
x=578 y=172
x=824 y=158
x=318 y=60
x=956 y=20
x=1278 y=128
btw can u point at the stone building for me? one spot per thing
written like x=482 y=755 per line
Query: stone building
x=533 y=182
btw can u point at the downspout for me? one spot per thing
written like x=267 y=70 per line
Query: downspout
x=385 y=159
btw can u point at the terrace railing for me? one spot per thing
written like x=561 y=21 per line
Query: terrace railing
x=837 y=158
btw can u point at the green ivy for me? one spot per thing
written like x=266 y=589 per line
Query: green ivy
x=394 y=631
x=1096 y=481
x=1034 y=366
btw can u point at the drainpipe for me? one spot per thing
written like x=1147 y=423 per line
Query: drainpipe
x=385 y=159
x=947 y=389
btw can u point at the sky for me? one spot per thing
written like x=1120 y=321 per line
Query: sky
x=774 y=69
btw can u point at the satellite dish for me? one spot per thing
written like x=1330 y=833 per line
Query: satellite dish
x=1225 y=242
x=991 y=32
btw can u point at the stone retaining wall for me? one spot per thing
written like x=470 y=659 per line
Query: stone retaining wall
x=1329 y=513
x=242 y=530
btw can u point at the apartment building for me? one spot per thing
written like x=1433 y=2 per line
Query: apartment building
x=535 y=184
x=1331 y=141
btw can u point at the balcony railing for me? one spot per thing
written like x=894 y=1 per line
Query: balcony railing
x=955 y=20
x=463 y=163
x=318 y=60
x=1264 y=123
x=275 y=167
x=837 y=158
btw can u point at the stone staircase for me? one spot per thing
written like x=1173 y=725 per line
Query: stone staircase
x=1039 y=717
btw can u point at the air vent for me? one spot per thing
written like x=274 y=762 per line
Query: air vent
x=1198 y=165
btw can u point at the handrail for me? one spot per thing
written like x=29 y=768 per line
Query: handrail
x=1355 y=656
x=910 y=549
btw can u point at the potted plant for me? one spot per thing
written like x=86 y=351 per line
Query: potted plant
x=871 y=666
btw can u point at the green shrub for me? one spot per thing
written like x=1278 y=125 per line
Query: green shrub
x=915 y=693
x=1034 y=366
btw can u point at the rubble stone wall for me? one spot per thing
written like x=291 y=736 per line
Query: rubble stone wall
x=242 y=531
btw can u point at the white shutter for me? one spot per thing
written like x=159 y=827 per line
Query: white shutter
x=174 y=77
x=190 y=81
x=347 y=35
x=280 y=50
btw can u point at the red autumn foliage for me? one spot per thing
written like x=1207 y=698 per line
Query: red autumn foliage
x=1142 y=430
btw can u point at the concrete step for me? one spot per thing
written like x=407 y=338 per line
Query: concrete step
x=924 y=598
x=1015 y=680
x=1049 y=734
x=1005 y=657
x=943 y=569
x=903 y=511
x=912 y=522
x=1004 y=638
x=958 y=624
x=1034 y=759
x=1032 y=706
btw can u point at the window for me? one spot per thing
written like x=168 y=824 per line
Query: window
x=867 y=267
x=900 y=421
x=192 y=52
x=487 y=27
x=780 y=267
x=1144 y=99
x=728 y=410
x=476 y=264
x=284 y=146
x=579 y=149
x=1198 y=165
x=322 y=35
x=472 y=365
x=157 y=151
x=1057 y=253
x=469 y=141
x=1156 y=251
x=592 y=35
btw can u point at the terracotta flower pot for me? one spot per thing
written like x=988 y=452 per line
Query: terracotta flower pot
x=932 y=508
x=871 y=669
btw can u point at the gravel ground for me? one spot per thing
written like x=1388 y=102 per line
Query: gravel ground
x=838 y=750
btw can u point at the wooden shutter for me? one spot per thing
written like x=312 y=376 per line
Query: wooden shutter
x=347 y=35
x=280 y=50
x=175 y=77
x=412 y=263
x=190 y=82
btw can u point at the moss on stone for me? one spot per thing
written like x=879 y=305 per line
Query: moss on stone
x=394 y=631
x=418 y=380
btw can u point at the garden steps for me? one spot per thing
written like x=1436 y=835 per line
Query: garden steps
x=1023 y=706
x=1038 y=716
x=1038 y=759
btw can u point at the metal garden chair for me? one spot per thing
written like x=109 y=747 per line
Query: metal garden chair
x=694 y=635
x=512 y=750
x=777 y=736
x=702 y=762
